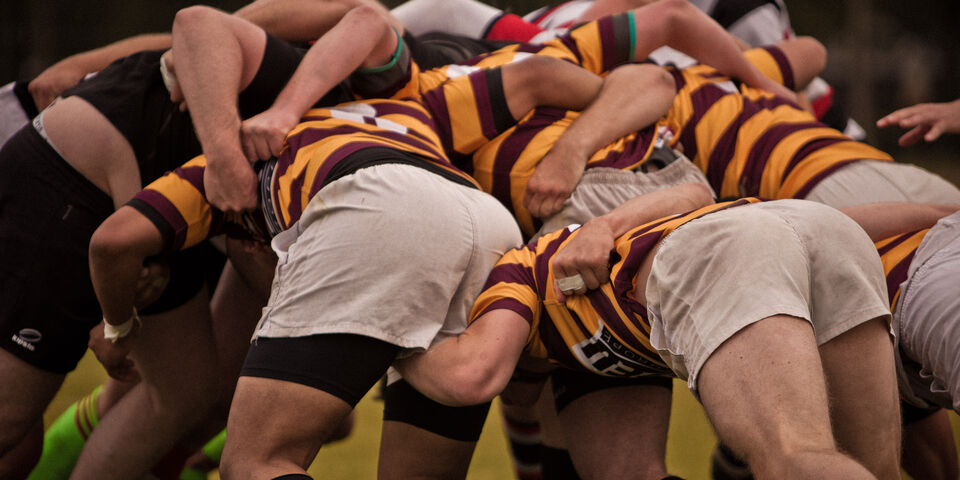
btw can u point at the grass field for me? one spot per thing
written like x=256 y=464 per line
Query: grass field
x=689 y=447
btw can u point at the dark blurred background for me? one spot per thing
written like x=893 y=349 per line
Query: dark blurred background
x=884 y=54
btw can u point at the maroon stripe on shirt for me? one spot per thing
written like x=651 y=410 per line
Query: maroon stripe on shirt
x=809 y=148
x=634 y=152
x=895 y=242
x=509 y=304
x=481 y=94
x=541 y=266
x=805 y=190
x=898 y=275
x=784 y=65
x=193 y=175
x=759 y=154
x=639 y=249
x=702 y=99
x=168 y=211
x=511 y=273
x=612 y=320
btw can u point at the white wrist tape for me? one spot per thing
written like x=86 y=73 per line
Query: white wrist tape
x=116 y=332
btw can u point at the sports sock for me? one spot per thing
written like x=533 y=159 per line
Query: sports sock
x=208 y=458
x=524 y=438
x=64 y=440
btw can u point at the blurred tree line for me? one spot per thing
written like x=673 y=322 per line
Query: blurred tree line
x=883 y=53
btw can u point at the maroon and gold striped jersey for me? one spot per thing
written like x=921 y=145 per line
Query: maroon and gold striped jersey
x=597 y=46
x=605 y=331
x=752 y=143
x=896 y=253
x=454 y=119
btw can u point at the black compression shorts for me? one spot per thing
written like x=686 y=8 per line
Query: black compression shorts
x=343 y=365
x=569 y=385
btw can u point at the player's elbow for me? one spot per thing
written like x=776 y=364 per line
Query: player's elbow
x=196 y=18
x=673 y=12
x=475 y=384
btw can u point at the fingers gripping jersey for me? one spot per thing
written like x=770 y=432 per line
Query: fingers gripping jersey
x=896 y=253
x=503 y=166
x=454 y=119
x=605 y=331
x=751 y=143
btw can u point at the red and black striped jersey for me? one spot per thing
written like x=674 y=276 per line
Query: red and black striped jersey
x=896 y=253
x=454 y=119
x=605 y=331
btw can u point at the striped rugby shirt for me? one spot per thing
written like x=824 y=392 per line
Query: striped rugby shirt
x=751 y=143
x=597 y=46
x=896 y=253
x=605 y=331
x=454 y=119
x=503 y=166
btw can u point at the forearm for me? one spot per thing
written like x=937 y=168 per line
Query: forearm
x=303 y=21
x=363 y=38
x=473 y=367
x=117 y=251
x=541 y=81
x=680 y=25
x=633 y=97
x=97 y=59
x=884 y=220
x=655 y=205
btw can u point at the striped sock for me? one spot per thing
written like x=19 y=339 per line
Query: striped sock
x=64 y=440
x=524 y=438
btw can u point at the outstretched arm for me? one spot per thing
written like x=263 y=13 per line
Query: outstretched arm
x=588 y=254
x=473 y=367
x=926 y=121
x=632 y=97
x=67 y=72
x=680 y=25
x=884 y=220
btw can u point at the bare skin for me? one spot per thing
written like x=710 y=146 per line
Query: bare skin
x=925 y=121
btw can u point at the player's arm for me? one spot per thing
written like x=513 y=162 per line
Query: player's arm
x=304 y=21
x=680 y=25
x=364 y=38
x=886 y=219
x=588 y=253
x=473 y=367
x=632 y=97
x=118 y=250
x=67 y=72
x=925 y=121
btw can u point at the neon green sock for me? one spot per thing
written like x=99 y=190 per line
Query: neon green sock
x=213 y=450
x=64 y=440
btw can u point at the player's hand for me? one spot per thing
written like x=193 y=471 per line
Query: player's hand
x=229 y=182
x=777 y=89
x=552 y=182
x=926 y=121
x=53 y=81
x=153 y=280
x=115 y=357
x=264 y=135
x=588 y=255
x=169 y=72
